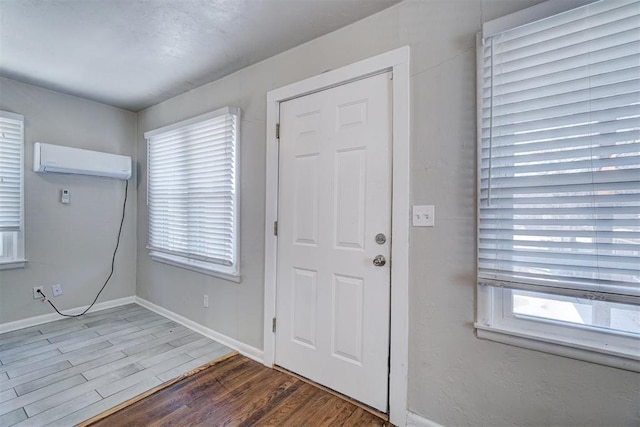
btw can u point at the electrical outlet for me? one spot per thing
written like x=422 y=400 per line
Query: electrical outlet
x=205 y=301
x=56 y=290
x=36 y=295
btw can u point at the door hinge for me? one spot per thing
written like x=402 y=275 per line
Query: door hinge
x=277 y=130
x=273 y=325
x=275 y=228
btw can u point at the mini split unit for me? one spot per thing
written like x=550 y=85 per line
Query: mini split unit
x=55 y=158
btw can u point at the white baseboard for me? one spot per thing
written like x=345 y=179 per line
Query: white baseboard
x=242 y=348
x=415 y=420
x=46 y=318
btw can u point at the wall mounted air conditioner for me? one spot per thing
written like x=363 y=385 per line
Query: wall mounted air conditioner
x=55 y=158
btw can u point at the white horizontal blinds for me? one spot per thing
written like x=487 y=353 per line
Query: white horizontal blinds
x=192 y=190
x=11 y=171
x=559 y=201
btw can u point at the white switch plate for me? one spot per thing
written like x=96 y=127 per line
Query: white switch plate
x=56 y=290
x=424 y=216
x=205 y=301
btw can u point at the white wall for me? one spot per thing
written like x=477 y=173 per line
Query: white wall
x=454 y=378
x=70 y=244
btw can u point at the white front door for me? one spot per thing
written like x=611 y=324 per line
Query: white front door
x=333 y=303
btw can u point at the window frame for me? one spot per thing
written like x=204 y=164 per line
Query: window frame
x=495 y=320
x=15 y=240
x=232 y=272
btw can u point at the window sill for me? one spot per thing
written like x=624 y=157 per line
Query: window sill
x=177 y=262
x=628 y=359
x=8 y=265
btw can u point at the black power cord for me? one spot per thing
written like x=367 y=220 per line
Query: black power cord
x=113 y=261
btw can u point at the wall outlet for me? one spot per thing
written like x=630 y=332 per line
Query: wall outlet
x=56 y=290
x=36 y=295
x=205 y=301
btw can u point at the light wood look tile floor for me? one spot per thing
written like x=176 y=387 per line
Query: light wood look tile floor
x=64 y=372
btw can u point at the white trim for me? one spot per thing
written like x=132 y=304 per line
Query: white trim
x=244 y=349
x=496 y=323
x=398 y=62
x=561 y=349
x=46 y=318
x=14 y=263
x=193 y=265
x=415 y=420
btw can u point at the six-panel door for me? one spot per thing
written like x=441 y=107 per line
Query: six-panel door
x=334 y=199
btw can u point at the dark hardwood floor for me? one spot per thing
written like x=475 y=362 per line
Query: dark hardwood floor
x=241 y=392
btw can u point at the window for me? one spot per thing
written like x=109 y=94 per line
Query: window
x=192 y=193
x=11 y=190
x=559 y=181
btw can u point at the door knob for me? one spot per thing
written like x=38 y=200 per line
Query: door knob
x=379 y=261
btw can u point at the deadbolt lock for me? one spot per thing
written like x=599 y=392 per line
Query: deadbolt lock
x=380 y=239
x=379 y=261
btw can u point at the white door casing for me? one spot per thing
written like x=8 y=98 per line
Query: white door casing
x=335 y=197
x=396 y=61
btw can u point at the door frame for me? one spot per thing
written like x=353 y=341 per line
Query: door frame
x=396 y=61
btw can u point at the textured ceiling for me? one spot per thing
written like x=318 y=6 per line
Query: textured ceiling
x=135 y=53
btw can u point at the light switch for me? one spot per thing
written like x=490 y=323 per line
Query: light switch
x=424 y=216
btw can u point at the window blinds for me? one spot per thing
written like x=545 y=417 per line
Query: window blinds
x=11 y=171
x=192 y=188
x=559 y=184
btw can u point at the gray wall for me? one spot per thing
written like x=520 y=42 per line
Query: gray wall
x=70 y=244
x=454 y=378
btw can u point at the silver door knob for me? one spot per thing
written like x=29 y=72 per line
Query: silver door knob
x=379 y=261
